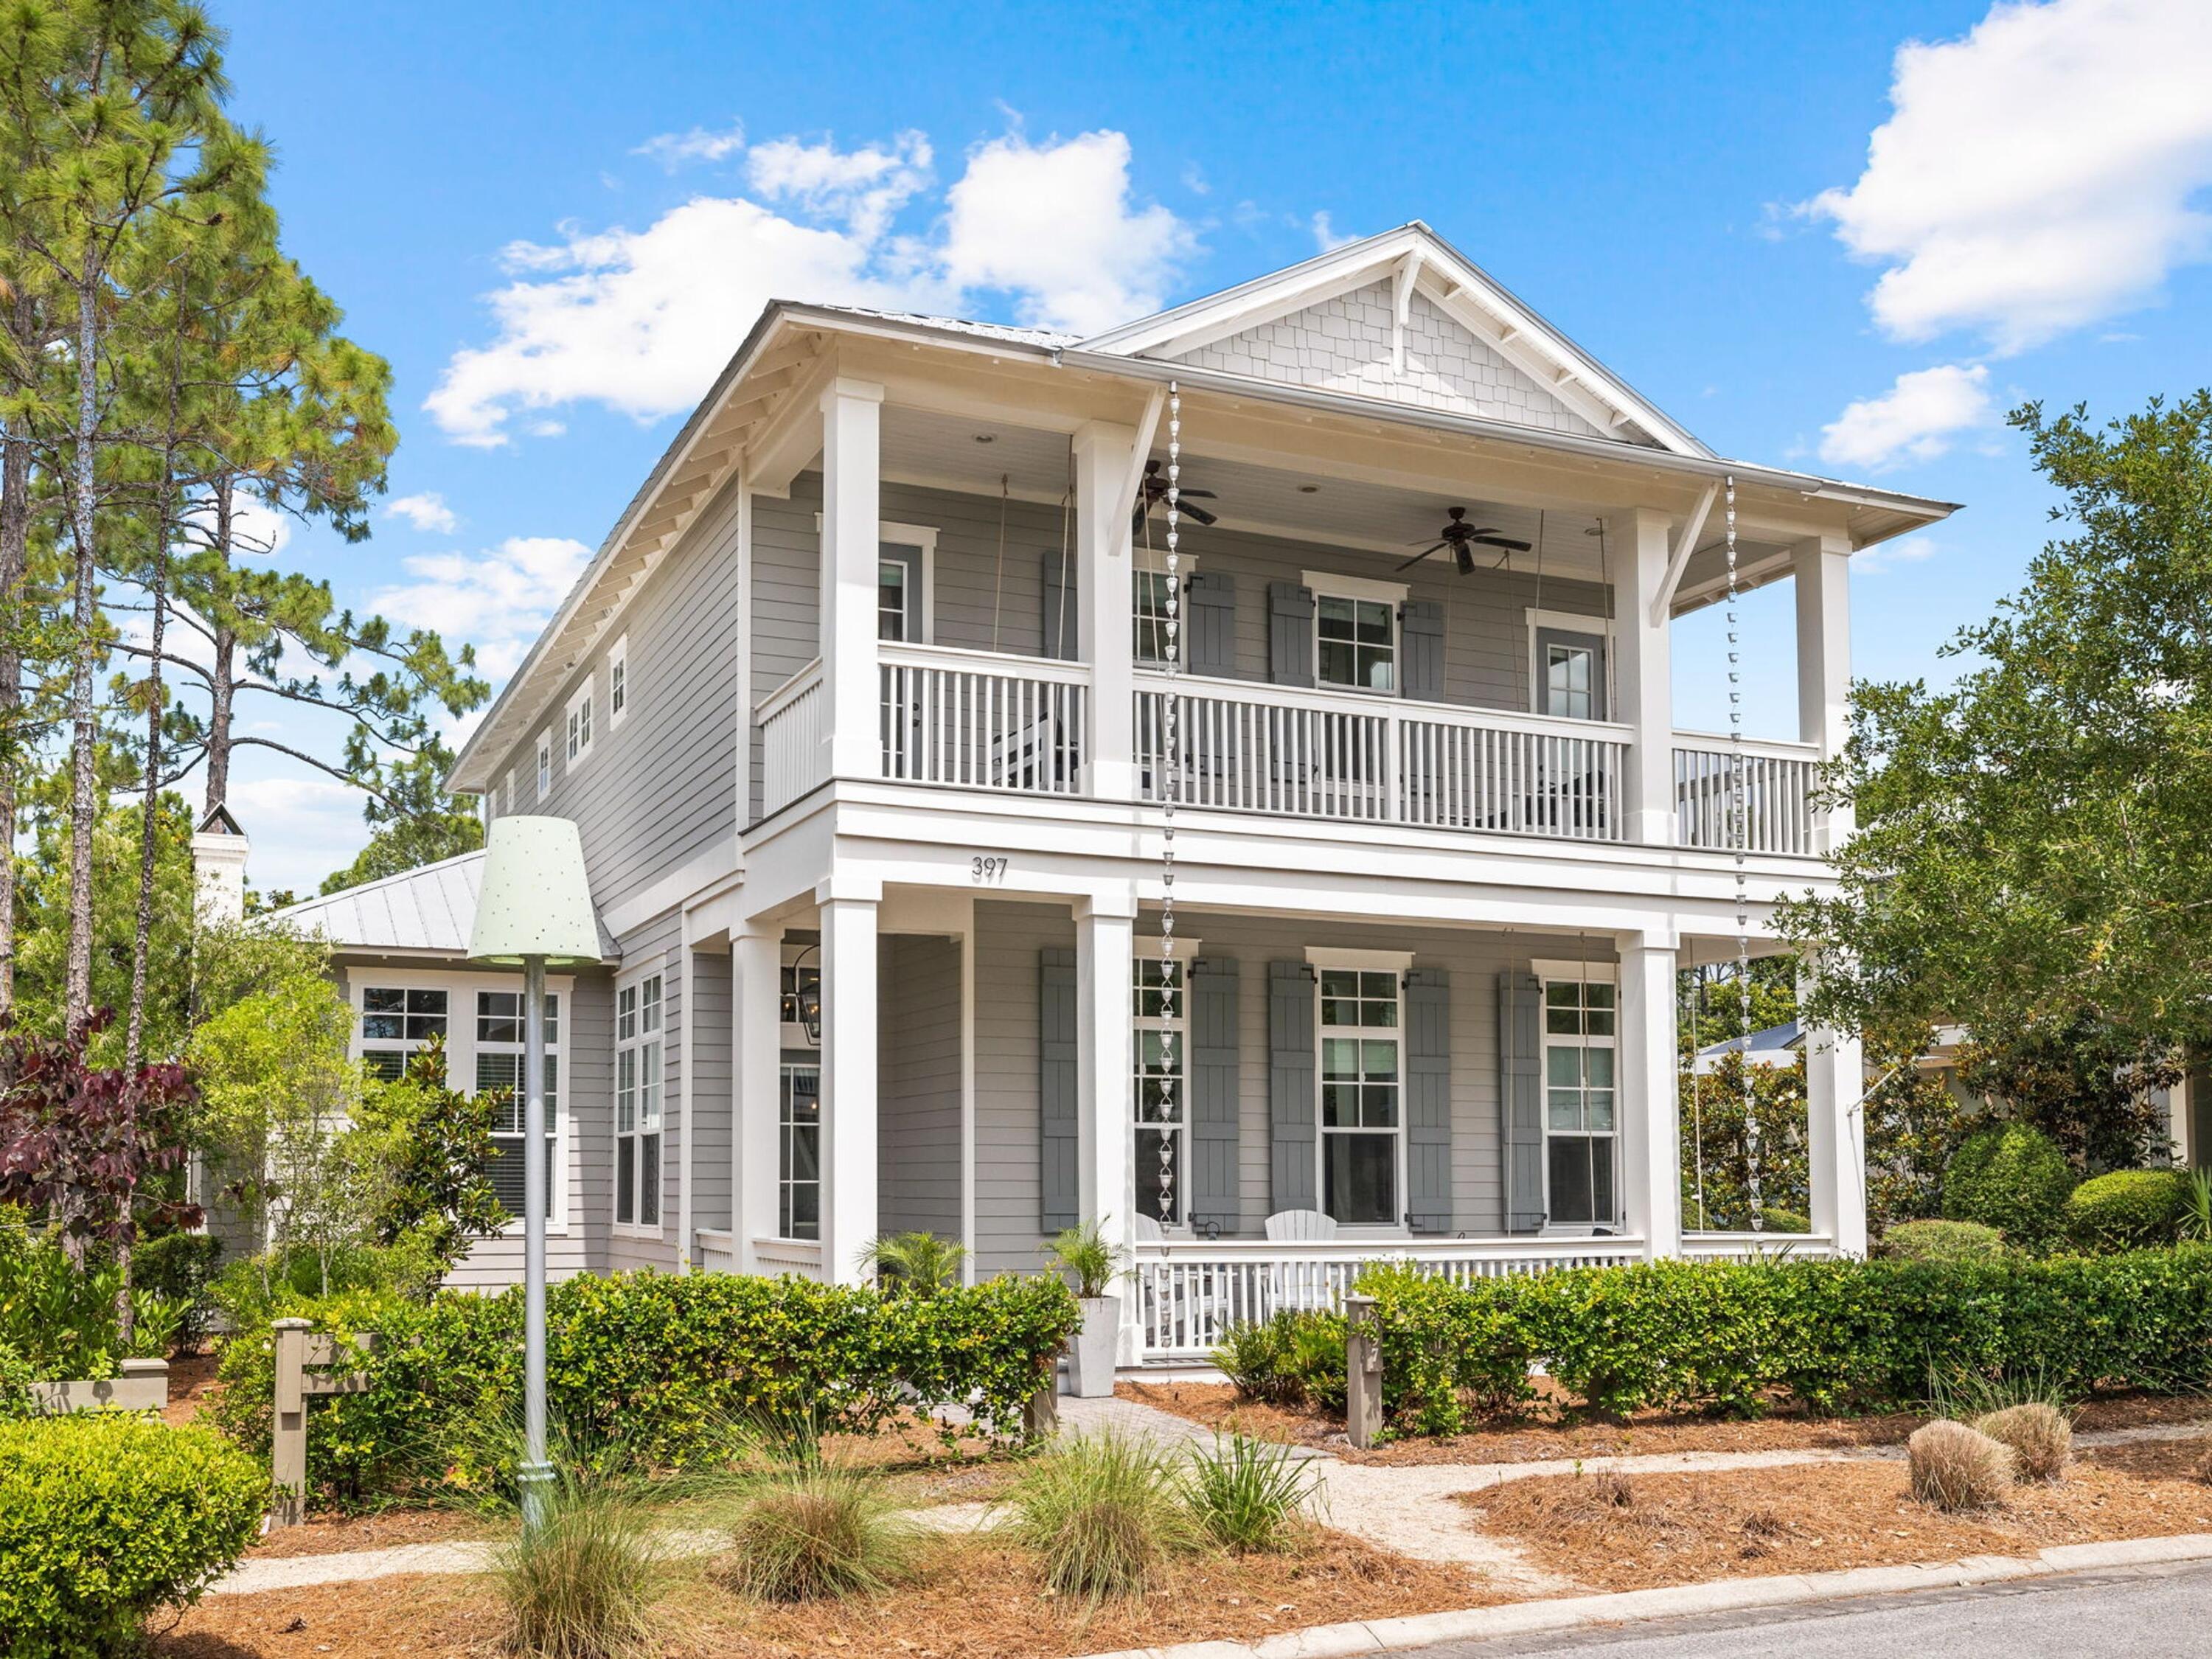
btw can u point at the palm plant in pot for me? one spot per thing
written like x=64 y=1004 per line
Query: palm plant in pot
x=1093 y=1262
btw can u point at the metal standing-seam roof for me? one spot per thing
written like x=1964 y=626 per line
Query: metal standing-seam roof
x=427 y=911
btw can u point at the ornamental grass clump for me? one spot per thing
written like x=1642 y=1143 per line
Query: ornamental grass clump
x=580 y=1585
x=1105 y=1512
x=2040 y=1438
x=1954 y=1468
x=1250 y=1496
x=814 y=1534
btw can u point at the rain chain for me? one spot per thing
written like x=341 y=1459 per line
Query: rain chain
x=1170 y=986
x=1739 y=827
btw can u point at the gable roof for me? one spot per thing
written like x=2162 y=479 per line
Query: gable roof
x=429 y=911
x=1418 y=272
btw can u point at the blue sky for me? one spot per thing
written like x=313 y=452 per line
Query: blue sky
x=480 y=187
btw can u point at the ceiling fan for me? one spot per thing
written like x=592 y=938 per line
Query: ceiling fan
x=1463 y=538
x=1153 y=491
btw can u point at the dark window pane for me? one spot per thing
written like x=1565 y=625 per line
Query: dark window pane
x=626 y=1178
x=648 y=1195
x=380 y=1001
x=1148 y=1174
x=803 y=1218
x=1360 y=1178
x=1582 y=1180
x=384 y=1028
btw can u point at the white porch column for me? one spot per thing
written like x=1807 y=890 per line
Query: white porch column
x=1643 y=674
x=852 y=514
x=1105 y=601
x=1835 y=1135
x=1648 y=1098
x=1823 y=582
x=756 y=1086
x=1105 y=1110
x=848 y=1084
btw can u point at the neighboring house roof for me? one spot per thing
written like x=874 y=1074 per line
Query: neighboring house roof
x=425 y=912
x=1777 y=1045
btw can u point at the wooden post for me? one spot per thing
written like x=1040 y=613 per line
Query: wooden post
x=288 y=1457
x=1363 y=1352
x=1040 y=1417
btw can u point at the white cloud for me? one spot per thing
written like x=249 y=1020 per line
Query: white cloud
x=427 y=512
x=642 y=320
x=1915 y=420
x=497 y=599
x=1326 y=235
x=675 y=149
x=2041 y=173
x=301 y=827
x=1887 y=556
x=1052 y=224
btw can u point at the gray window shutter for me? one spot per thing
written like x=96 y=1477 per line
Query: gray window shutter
x=1210 y=623
x=1521 y=1097
x=1290 y=634
x=1059 y=604
x=1428 y=1100
x=1056 y=1088
x=1421 y=637
x=1293 y=1157
x=1214 y=1065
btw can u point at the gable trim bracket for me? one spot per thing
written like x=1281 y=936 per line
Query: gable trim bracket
x=1685 y=545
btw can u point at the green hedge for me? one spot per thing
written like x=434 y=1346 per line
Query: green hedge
x=1943 y=1241
x=2013 y=1177
x=2128 y=1209
x=105 y=1517
x=652 y=1369
x=1729 y=1337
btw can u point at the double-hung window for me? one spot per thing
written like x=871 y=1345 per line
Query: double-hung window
x=617 y=681
x=799 y=1151
x=499 y=1070
x=396 y=1021
x=1355 y=631
x=544 y=764
x=1161 y=1011
x=637 y=1104
x=1151 y=617
x=580 y=725
x=1361 y=1065
x=1579 y=1105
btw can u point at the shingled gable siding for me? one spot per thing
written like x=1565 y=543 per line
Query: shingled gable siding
x=918 y=997
x=660 y=790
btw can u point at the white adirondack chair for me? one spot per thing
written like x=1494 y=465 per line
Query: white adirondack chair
x=1301 y=1227
x=1294 y=1288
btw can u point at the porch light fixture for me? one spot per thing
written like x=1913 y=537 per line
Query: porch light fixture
x=808 y=1000
x=534 y=910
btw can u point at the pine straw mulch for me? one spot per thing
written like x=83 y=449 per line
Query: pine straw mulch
x=191 y=1377
x=332 y=1534
x=973 y=1600
x=1552 y=1429
x=1613 y=1532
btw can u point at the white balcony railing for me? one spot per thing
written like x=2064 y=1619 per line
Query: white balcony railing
x=1188 y=1295
x=1778 y=779
x=983 y=720
x=1343 y=756
x=792 y=720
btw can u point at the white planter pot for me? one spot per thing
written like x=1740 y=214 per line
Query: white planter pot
x=1091 y=1356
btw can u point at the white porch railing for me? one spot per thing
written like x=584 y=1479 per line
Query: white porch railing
x=774 y=1258
x=1342 y=756
x=984 y=721
x=1778 y=779
x=718 y=1250
x=1189 y=1295
x=792 y=725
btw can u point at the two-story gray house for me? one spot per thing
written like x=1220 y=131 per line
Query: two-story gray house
x=862 y=710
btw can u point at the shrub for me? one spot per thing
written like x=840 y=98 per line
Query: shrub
x=580 y=1586
x=915 y=1264
x=2039 y=1437
x=1249 y=1494
x=1942 y=1240
x=106 y=1515
x=1955 y=1468
x=1104 y=1511
x=180 y=1268
x=1087 y=1256
x=1784 y=1221
x=2013 y=1177
x=1450 y=1351
x=15 y=1380
x=1295 y=1358
x=60 y=1316
x=2128 y=1209
x=817 y=1534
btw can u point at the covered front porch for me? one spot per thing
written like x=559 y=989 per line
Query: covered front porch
x=1253 y=1115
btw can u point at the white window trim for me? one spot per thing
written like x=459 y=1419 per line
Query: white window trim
x=586 y=727
x=461 y=1051
x=1184 y=951
x=1550 y=973
x=1186 y=567
x=635 y=980
x=1326 y=584
x=618 y=675
x=783 y=1070
x=923 y=536
x=1398 y=964
x=1354 y=587
x=544 y=761
x=1570 y=621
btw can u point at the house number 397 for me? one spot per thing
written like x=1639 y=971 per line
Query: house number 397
x=987 y=870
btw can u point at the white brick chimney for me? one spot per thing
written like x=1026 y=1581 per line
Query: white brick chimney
x=218 y=850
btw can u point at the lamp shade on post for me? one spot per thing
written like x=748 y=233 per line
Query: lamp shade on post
x=534 y=909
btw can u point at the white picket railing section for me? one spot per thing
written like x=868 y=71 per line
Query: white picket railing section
x=1778 y=779
x=983 y=720
x=1755 y=1247
x=1188 y=1295
x=1341 y=755
x=792 y=725
x=777 y=1258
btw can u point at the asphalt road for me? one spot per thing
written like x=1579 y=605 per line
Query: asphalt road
x=2156 y=1613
